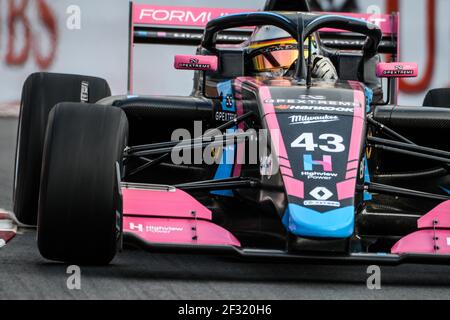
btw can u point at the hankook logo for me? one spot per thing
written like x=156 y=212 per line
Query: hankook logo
x=314 y=108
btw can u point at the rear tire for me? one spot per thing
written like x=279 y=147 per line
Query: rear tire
x=80 y=203
x=41 y=91
x=438 y=98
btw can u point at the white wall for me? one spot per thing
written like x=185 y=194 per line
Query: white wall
x=100 y=47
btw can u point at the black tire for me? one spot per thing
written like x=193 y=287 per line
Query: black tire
x=40 y=93
x=438 y=98
x=80 y=203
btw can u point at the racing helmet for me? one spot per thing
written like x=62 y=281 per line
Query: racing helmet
x=271 y=51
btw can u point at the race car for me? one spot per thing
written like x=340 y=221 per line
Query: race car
x=289 y=147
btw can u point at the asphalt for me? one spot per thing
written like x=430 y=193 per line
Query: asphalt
x=135 y=274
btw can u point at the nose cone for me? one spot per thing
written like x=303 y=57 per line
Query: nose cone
x=301 y=221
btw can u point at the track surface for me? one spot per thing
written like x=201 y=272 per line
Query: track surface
x=138 y=275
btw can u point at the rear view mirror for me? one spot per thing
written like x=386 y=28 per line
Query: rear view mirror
x=397 y=70
x=195 y=62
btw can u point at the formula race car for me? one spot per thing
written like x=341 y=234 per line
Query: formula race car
x=291 y=146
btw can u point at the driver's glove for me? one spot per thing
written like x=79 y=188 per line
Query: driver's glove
x=323 y=69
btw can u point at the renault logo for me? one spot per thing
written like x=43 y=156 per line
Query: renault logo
x=321 y=193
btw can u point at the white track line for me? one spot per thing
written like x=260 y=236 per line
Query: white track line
x=8 y=227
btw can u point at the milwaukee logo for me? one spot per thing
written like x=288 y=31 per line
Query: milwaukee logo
x=312 y=119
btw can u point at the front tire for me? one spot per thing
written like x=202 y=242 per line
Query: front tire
x=80 y=204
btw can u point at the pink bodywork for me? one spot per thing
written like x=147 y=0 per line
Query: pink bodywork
x=159 y=203
x=386 y=22
x=178 y=231
x=293 y=186
x=195 y=62
x=424 y=242
x=397 y=70
x=346 y=189
x=434 y=236
x=144 y=14
x=439 y=217
x=171 y=216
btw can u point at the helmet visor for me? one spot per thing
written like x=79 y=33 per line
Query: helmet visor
x=274 y=56
x=278 y=54
x=271 y=60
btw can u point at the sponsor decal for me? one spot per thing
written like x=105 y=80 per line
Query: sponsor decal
x=154 y=229
x=229 y=101
x=224 y=116
x=317 y=108
x=312 y=203
x=397 y=72
x=321 y=194
x=325 y=163
x=194 y=63
x=310 y=102
x=309 y=163
x=313 y=175
x=299 y=119
x=84 y=95
x=226 y=37
x=137 y=227
x=163 y=229
x=181 y=16
x=313 y=103
x=278 y=48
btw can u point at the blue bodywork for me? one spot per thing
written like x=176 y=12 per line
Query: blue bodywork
x=225 y=169
x=306 y=222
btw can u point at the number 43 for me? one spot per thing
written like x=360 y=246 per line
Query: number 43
x=332 y=142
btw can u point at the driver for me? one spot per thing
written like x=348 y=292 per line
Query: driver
x=273 y=52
